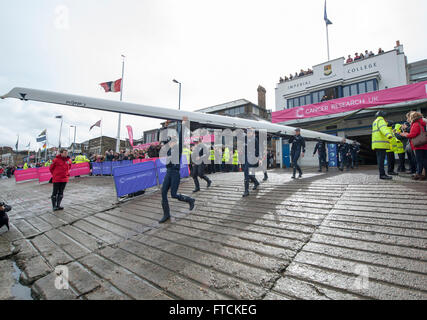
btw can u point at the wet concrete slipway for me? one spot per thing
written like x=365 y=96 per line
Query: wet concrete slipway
x=326 y=236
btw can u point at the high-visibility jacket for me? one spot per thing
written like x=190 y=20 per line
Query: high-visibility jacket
x=48 y=163
x=81 y=159
x=226 y=155
x=381 y=134
x=212 y=155
x=25 y=166
x=400 y=147
x=393 y=142
x=235 y=158
x=187 y=153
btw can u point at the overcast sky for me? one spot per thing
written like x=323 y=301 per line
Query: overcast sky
x=220 y=50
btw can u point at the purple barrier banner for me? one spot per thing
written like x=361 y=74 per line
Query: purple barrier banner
x=25 y=175
x=106 y=168
x=134 y=178
x=184 y=171
x=161 y=169
x=96 y=168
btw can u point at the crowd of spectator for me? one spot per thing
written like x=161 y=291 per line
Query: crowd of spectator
x=350 y=59
x=302 y=73
x=361 y=56
x=110 y=155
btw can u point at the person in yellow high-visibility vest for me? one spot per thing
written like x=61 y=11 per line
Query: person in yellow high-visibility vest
x=212 y=160
x=236 y=161
x=226 y=159
x=25 y=166
x=381 y=138
x=81 y=159
x=391 y=158
x=48 y=163
x=400 y=151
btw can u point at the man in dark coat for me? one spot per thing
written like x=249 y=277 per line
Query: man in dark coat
x=320 y=148
x=297 y=151
x=171 y=181
x=345 y=154
x=250 y=140
x=60 y=170
x=198 y=167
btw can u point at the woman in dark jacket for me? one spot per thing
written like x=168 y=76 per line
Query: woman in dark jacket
x=60 y=170
x=417 y=127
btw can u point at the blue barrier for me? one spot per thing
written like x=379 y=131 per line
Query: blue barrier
x=138 y=177
x=106 y=168
x=96 y=168
x=184 y=167
x=332 y=155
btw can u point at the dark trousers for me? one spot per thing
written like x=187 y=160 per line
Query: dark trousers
x=354 y=160
x=248 y=177
x=58 y=189
x=401 y=162
x=381 y=154
x=322 y=161
x=295 y=158
x=198 y=171
x=391 y=162
x=345 y=161
x=171 y=182
x=421 y=156
x=412 y=161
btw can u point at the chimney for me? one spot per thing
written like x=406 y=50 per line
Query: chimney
x=261 y=97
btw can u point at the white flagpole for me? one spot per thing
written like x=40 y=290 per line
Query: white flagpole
x=327 y=40
x=120 y=115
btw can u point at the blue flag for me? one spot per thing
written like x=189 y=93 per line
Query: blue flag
x=41 y=139
x=328 y=22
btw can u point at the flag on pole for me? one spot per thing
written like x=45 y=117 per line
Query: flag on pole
x=97 y=124
x=43 y=133
x=328 y=22
x=44 y=146
x=41 y=139
x=130 y=132
x=17 y=142
x=112 y=86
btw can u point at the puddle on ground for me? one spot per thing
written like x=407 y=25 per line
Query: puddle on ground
x=19 y=291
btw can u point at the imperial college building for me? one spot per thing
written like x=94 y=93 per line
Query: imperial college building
x=341 y=98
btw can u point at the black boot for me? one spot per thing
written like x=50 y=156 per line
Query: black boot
x=246 y=193
x=166 y=214
x=58 y=202
x=197 y=185
x=54 y=205
x=255 y=181
x=187 y=199
x=208 y=181
x=265 y=177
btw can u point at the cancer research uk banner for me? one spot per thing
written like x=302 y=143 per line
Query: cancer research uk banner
x=134 y=178
x=409 y=92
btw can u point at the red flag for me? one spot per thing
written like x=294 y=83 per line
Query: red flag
x=97 y=124
x=112 y=86
x=130 y=132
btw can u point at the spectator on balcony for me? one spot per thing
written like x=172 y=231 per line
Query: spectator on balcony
x=371 y=54
x=367 y=54
x=350 y=59
x=281 y=80
x=291 y=77
x=362 y=56
x=380 y=51
x=301 y=73
x=296 y=75
x=286 y=78
x=356 y=56
x=324 y=98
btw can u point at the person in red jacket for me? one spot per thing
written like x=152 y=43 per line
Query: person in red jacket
x=417 y=127
x=60 y=169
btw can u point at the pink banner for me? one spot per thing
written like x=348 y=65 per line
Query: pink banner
x=130 y=132
x=145 y=146
x=44 y=174
x=28 y=174
x=409 y=92
x=80 y=169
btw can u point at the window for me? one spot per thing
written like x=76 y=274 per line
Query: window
x=346 y=91
x=290 y=103
x=302 y=101
x=362 y=87
x=370 y=86
x=308 y=99
x=256 y=111
x=353 y=89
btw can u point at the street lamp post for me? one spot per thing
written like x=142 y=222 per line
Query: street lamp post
x=74 y=143
x=179 y=103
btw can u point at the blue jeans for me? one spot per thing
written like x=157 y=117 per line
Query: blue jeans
x=421 y=156
x=295 y=158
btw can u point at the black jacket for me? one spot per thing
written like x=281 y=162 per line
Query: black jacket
x=249 y=141
x=321 y=147
x=298 y=144
x=344 y=149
